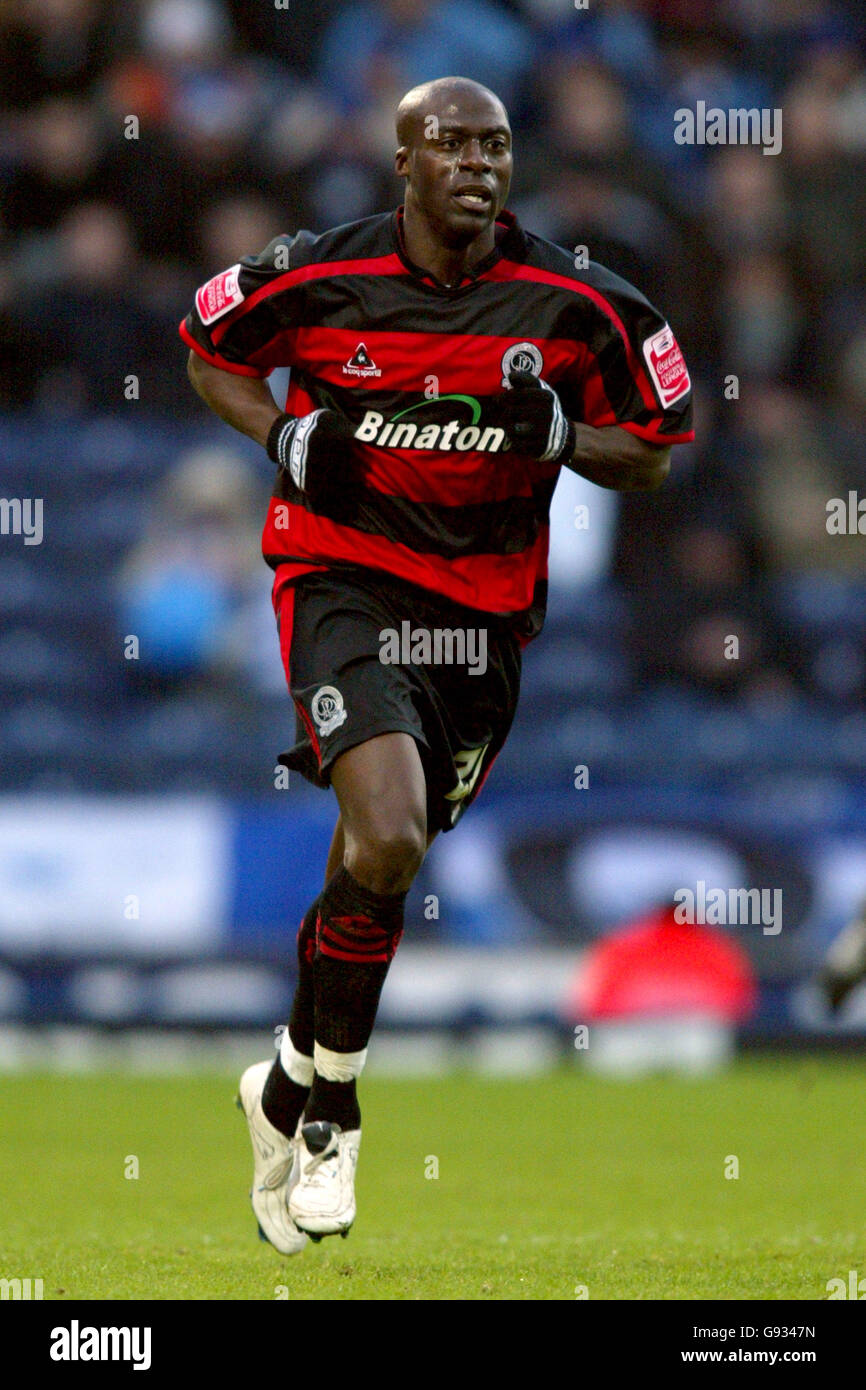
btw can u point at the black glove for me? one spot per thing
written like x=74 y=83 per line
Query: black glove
x=533 y=418
x=315 y=450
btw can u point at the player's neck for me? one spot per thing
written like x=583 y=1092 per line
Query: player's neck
x=447 y=264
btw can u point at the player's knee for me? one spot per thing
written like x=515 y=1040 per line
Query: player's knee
x=386 y=858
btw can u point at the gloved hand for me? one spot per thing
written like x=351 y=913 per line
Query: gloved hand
x=316 y=450
x=533 y=418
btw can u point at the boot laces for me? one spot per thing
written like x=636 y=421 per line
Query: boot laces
x=317 y=1174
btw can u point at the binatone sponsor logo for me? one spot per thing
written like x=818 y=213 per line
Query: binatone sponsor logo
x=399 y=433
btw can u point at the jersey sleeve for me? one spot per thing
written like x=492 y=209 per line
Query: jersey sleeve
x=629 y=369
x=244 y=319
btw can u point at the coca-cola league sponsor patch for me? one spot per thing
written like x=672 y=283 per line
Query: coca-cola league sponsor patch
x=666 y=366
x=219 y=295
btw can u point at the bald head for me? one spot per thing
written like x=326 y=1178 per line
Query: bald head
x=445 y=99
x=455 y=156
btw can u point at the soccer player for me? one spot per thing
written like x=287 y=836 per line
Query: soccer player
x=445 y=364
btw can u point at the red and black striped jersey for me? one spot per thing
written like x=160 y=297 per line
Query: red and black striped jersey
x=417 y=368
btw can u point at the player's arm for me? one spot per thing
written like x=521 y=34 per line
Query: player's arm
x=312 y=448
x=244 y=402
x=610 y=456
x=236 y=329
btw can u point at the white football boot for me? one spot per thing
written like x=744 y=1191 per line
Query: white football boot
x=322 y=1202
x=276 y=1169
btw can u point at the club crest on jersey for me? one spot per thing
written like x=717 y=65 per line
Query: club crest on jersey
x=219 y=295
x=361 y=363
x=521 y=357
x=667 y=366
x=328 y=710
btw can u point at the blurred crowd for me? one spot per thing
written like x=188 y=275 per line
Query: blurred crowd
x=146 y=146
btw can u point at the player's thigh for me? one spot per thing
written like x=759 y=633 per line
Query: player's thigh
x=382 y=792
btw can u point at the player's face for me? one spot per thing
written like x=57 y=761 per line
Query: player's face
x=458 y=169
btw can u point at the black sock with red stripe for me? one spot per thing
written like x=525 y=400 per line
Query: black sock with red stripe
x=301 y=1030
x=357 y=934
x=283 y=1099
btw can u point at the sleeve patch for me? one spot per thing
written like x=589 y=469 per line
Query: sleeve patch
x=667 y=366
x=219 y=295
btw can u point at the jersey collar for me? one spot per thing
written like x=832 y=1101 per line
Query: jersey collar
x=510 y=242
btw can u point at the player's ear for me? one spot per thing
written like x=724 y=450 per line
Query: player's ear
x=401 y=161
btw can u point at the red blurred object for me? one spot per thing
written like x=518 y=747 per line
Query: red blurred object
x=136 y=85
x=658 y=967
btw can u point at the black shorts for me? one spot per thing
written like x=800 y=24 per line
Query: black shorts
x=366 y=654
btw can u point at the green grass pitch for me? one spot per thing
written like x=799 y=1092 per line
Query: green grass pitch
x=545 y=1187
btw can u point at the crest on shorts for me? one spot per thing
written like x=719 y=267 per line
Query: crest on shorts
x=521 y=357
x=328 y=709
